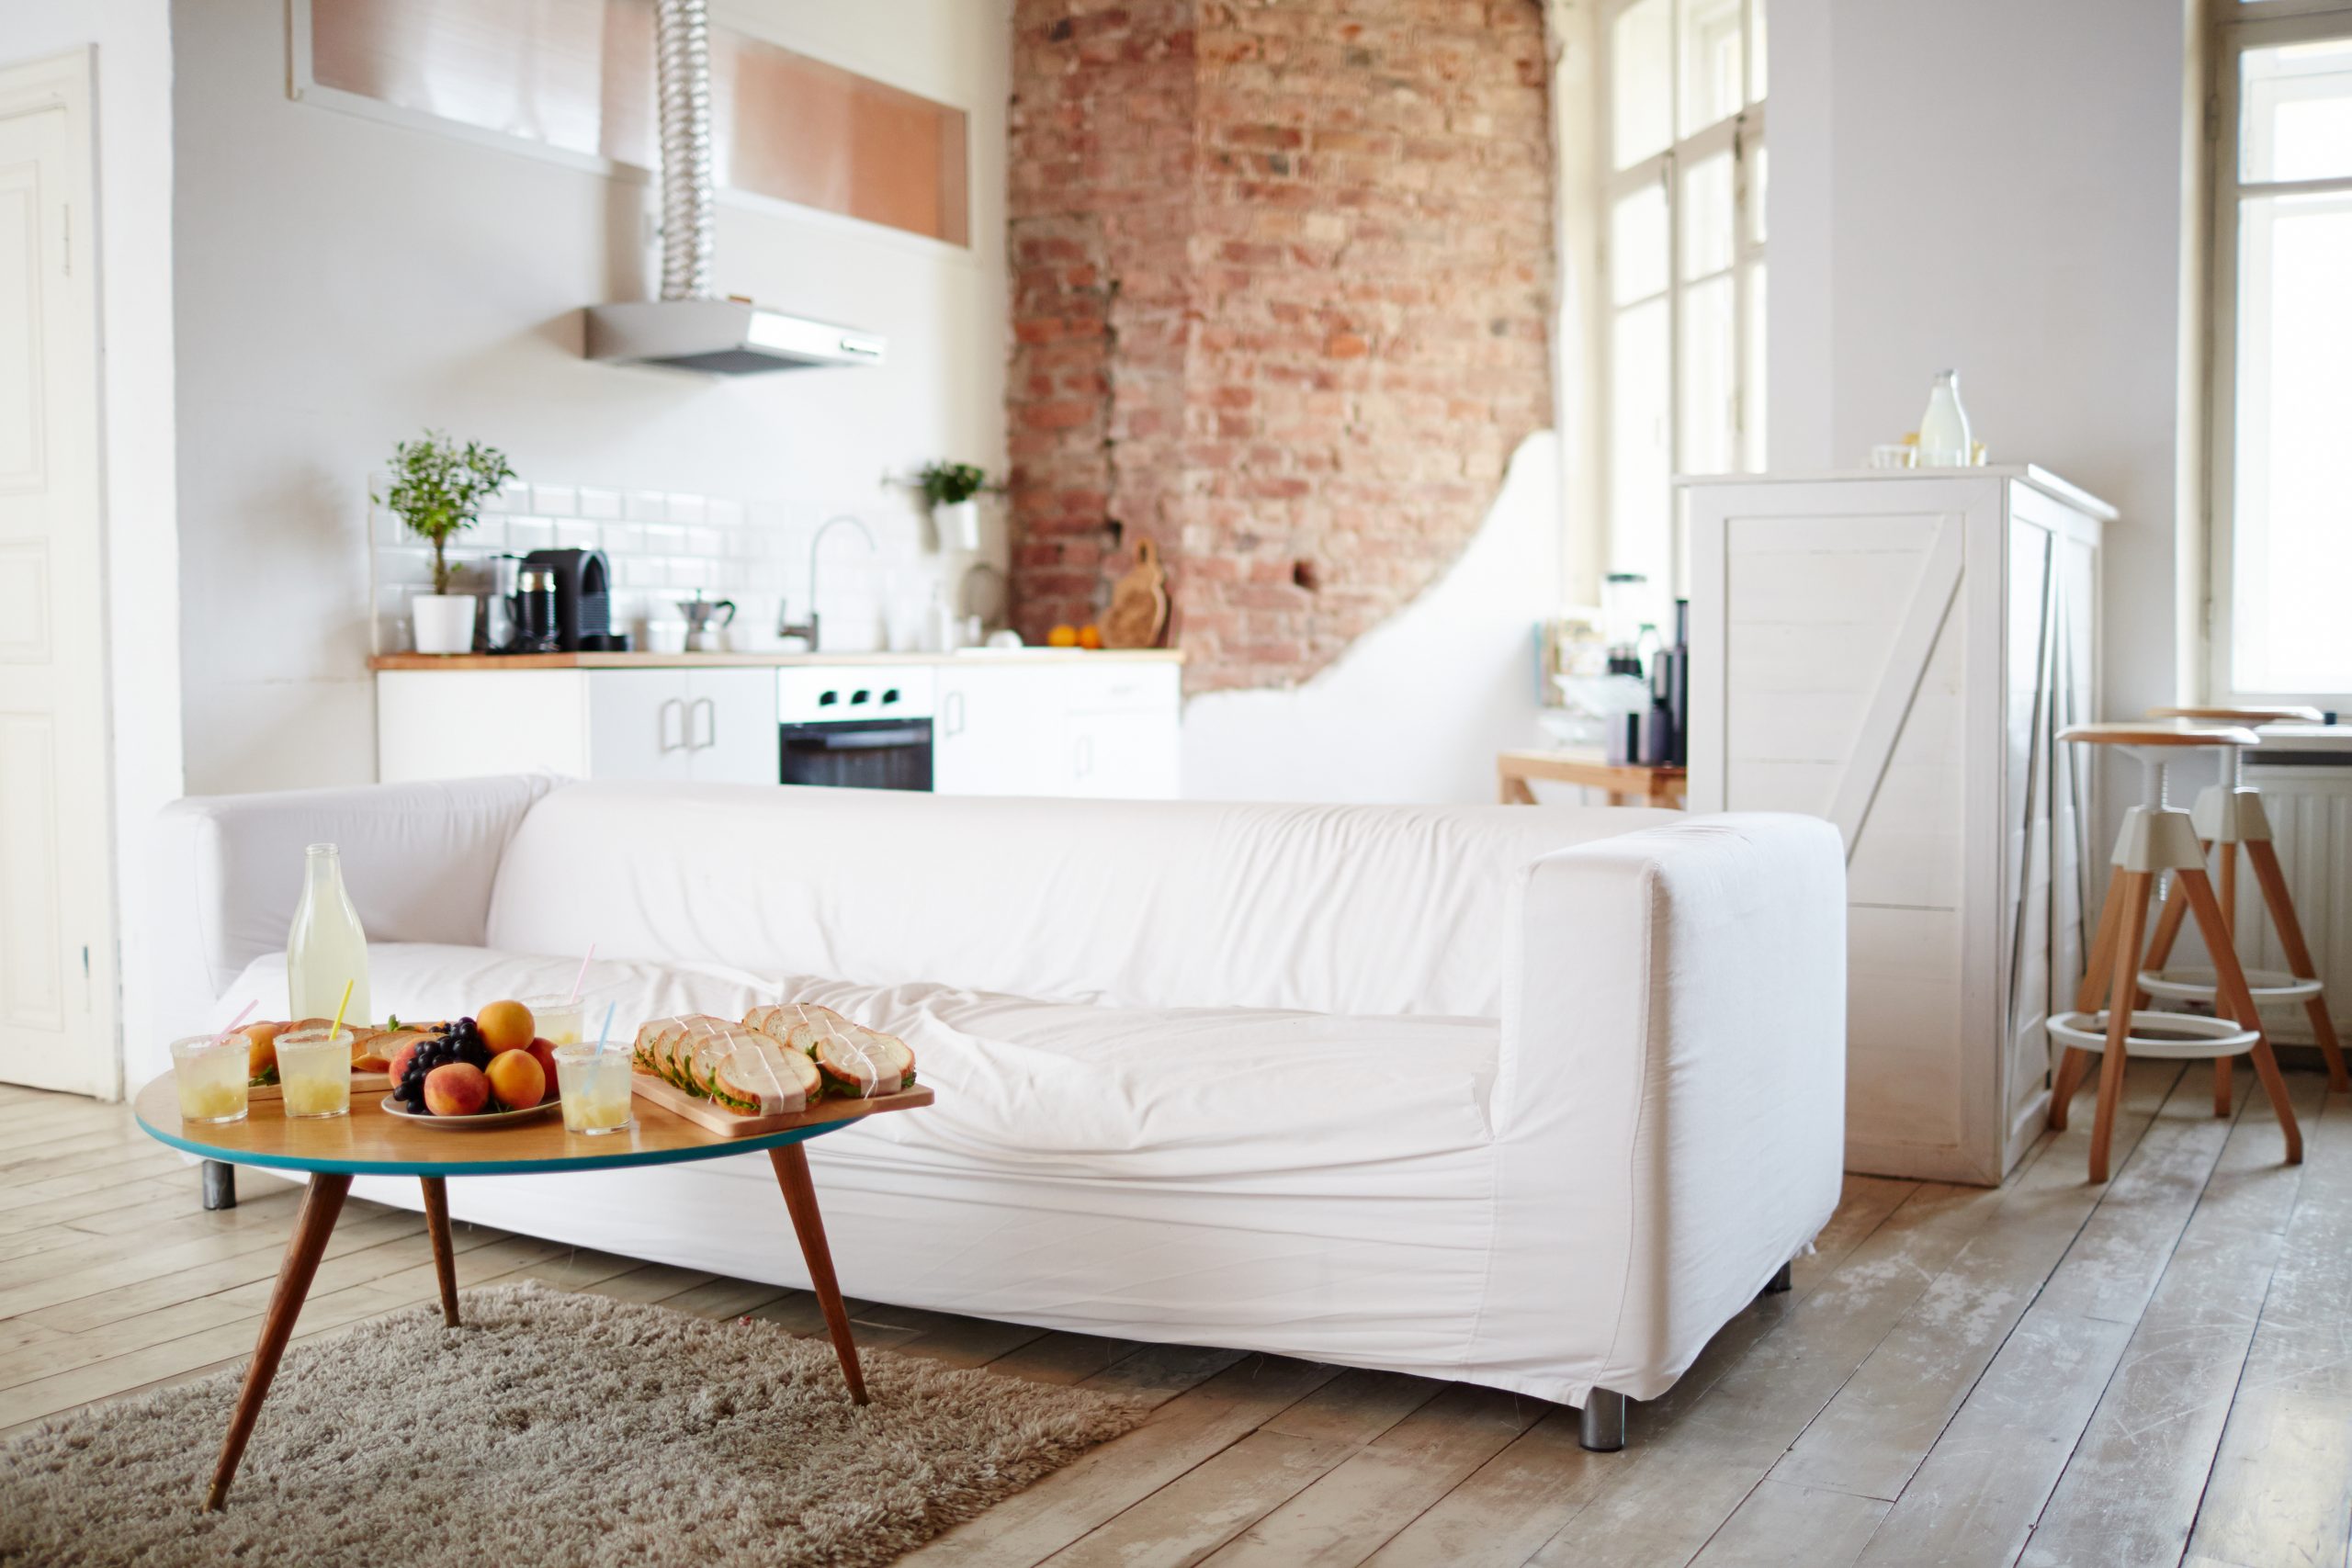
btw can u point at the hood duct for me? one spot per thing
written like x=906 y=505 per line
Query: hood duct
x=689 y=327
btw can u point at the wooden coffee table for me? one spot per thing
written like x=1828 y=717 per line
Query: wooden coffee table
x=369 y=1143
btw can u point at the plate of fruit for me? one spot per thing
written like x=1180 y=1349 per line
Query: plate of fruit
x=490 y=1070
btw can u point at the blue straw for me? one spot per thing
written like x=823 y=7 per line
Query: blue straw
x=606 y=1034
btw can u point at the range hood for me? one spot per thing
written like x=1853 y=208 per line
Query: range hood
x=689 y=327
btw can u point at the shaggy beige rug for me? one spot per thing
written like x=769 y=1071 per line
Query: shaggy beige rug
x=553 y=1428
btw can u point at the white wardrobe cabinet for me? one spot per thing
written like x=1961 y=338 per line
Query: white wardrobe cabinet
x=1896 y=652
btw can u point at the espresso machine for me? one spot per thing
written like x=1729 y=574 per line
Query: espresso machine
x=560 y=603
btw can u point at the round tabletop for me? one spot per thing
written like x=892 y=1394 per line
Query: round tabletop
x=2291 y=713
x=369 y=1142
x=2161 y=732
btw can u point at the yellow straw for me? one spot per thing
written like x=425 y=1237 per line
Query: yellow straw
x=336 y=1028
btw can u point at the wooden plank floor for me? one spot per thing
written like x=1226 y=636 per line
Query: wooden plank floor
x=2050 y=1374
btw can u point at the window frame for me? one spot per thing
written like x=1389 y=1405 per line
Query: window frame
x=1741 y=134
x=2242 y=27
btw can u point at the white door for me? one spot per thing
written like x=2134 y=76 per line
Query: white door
x=731 y=726
x=997 y=732
x=638 y=726
x=57 y=970
x=1124 y=756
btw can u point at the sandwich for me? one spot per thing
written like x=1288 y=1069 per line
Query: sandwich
x=755 y=1076
x=854 y=1062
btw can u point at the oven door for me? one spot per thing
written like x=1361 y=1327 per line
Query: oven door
x=865 y=753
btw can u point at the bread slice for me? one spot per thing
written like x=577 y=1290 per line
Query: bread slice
x=759 y=1077
x=855 y=1062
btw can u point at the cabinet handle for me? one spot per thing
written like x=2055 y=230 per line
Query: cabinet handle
x=661 y=724
x=707 y=710
x=951 y=715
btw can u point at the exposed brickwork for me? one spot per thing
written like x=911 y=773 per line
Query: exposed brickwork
x=1281 y=286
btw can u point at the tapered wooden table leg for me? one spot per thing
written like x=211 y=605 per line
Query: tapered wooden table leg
x=2097 y=970
x=312 y=1228
x=2169 y=916
x=2236 y=1001
x=2129 y=927
x=791 y=1164
x=445 y=1261
x=2265 y=857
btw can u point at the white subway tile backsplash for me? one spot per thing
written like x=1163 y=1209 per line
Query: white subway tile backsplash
x=555 y=501
x=525 y=535
x=706 y=542
x=645 y=506
x=688 y=572
x=594 y=502
x=643 y=573
x=624 y=538
x=489 y=531
x=686 y=509
x=574 y=535
x=665 y=539
x=725 y=513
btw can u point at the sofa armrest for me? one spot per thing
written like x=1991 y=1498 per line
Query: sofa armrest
x=1672 y=1092
x=418 y=860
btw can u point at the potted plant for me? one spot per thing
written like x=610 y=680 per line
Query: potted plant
x=952 y=490
x=437 y=489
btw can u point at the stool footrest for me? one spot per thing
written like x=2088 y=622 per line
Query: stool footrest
x=2184 y=1035
x=2201 y=985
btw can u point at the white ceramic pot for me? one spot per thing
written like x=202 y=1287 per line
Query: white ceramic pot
x=444 y=623
x=959 y=525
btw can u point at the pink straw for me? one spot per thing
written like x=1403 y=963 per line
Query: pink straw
x=224 y=1034
x=576 y=979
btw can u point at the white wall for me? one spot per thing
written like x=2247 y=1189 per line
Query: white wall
x=342 y=282
x=134 y=177
x=1416 y=710
x=1998 y=187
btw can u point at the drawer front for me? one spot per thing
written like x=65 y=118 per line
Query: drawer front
x=1119 y=687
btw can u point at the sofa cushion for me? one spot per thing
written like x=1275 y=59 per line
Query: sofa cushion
x=1172 y=903
x=1061 y=1091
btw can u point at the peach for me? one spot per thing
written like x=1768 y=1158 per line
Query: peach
x=456 y=1088
x=516 y=1079
x=543 y=1053
x=506 y=1026
x=404 y=1047
x=261 y=1042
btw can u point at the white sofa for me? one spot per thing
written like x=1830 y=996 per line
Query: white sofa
x=1534 y=1098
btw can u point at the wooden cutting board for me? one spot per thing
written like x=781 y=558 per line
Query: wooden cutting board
x=715 y=1118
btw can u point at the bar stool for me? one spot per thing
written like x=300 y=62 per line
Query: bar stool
x=2227 y=816
x=2156 y=838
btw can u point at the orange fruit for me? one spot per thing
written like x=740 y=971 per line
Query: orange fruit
x=506 y=1026
x=1062 y=637
x=1089 y=636
x=518 y=1080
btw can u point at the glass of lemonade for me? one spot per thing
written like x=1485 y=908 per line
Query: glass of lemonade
x=594 y=1084
x=314 y=1072
x=212 y=1075
x=555 y=1020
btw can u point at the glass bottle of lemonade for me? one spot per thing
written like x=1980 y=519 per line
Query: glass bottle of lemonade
x=325 y=946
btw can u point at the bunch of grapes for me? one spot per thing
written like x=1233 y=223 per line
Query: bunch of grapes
x=461 y=1042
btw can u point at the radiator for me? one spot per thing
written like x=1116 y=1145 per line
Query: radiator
x=2310 y=807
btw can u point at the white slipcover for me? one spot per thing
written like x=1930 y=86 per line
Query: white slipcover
x=1534 y=1098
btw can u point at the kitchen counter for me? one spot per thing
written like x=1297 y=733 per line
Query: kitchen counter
x=770 y=660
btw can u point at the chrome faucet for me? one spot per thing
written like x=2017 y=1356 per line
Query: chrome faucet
x=783 y=625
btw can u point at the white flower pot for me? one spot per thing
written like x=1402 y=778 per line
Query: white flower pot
x=444 y=623
x=959 y=525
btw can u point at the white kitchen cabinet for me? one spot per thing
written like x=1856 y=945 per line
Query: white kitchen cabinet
x=1119 y=735
x=731 y=726
x=1896 y=652
x=699 y=725
x=994 y=730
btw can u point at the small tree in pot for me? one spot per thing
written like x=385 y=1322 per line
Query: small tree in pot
x=437 y=489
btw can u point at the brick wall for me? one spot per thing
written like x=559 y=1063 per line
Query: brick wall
x=1281 y=286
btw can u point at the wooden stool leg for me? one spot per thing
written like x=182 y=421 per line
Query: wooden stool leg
x=791 y=1162
x=2237 y=1001
x=320 y=1204
x=2097 y=971
x=437 y=1224
x=2129 y=927
x=2265 y=858
x=2170 y=918
x=2223 y=1066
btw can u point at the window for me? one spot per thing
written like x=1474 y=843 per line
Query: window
x=2282 y=400
x=1682 y=232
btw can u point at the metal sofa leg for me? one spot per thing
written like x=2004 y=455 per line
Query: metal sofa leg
x=1601 y=1429
x=1778 y=1285
x=219 y=1184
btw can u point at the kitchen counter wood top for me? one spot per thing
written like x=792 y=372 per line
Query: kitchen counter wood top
x=769 y=660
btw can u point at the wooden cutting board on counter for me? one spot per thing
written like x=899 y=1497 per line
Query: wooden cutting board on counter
x=1139 y=612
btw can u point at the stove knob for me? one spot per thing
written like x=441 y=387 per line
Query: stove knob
x=859 y=696
x=890 y=696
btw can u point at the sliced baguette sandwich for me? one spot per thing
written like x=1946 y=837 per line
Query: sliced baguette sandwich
x=855 y=1062
x=759 y=1077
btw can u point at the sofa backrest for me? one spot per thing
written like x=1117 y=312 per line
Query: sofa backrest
x=1326 y=909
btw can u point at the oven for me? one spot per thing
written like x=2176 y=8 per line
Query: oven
x=855 y=727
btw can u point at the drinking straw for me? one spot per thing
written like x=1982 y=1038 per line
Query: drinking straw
x=606 y=1034
x=576 y=979
x=337 y=1027
x=222 y=1038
